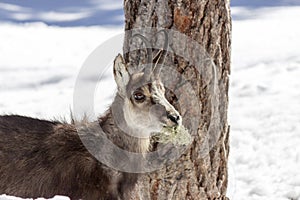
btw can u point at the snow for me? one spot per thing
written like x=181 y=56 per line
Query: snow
x=39 y=64
x=264 y=107
x=63 y=13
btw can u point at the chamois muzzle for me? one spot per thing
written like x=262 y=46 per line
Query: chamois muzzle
x=174 y=118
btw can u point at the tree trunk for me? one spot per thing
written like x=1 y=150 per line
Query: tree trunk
x=201 y=172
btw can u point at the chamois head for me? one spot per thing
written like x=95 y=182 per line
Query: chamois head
x=145 y=106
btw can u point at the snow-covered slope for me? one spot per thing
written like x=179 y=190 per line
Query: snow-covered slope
x=39 y=65
x=265 y=104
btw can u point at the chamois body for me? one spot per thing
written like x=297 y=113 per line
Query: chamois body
x=46 y=158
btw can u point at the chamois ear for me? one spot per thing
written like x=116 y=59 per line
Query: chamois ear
x=121 y=74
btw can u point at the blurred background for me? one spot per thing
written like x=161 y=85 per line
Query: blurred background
x=43 y=44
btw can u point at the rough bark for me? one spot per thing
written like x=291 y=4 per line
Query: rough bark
x=192 y=176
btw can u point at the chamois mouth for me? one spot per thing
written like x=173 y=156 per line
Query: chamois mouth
x=170 y=126
x=167 y=123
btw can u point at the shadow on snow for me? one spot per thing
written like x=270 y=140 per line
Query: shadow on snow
x=63 y=13
x=253 y=8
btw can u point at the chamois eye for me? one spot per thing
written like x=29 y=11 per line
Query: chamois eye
x=139 y=96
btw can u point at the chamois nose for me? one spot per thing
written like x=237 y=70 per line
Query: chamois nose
x=173 y=117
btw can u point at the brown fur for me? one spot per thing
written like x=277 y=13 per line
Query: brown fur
x=43 y=159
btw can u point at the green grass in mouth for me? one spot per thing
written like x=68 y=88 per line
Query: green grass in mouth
x=177 y=135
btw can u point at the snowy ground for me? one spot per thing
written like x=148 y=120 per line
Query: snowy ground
x=265 y=105
x=39 y=65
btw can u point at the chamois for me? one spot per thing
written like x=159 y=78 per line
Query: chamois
x=41 y=158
